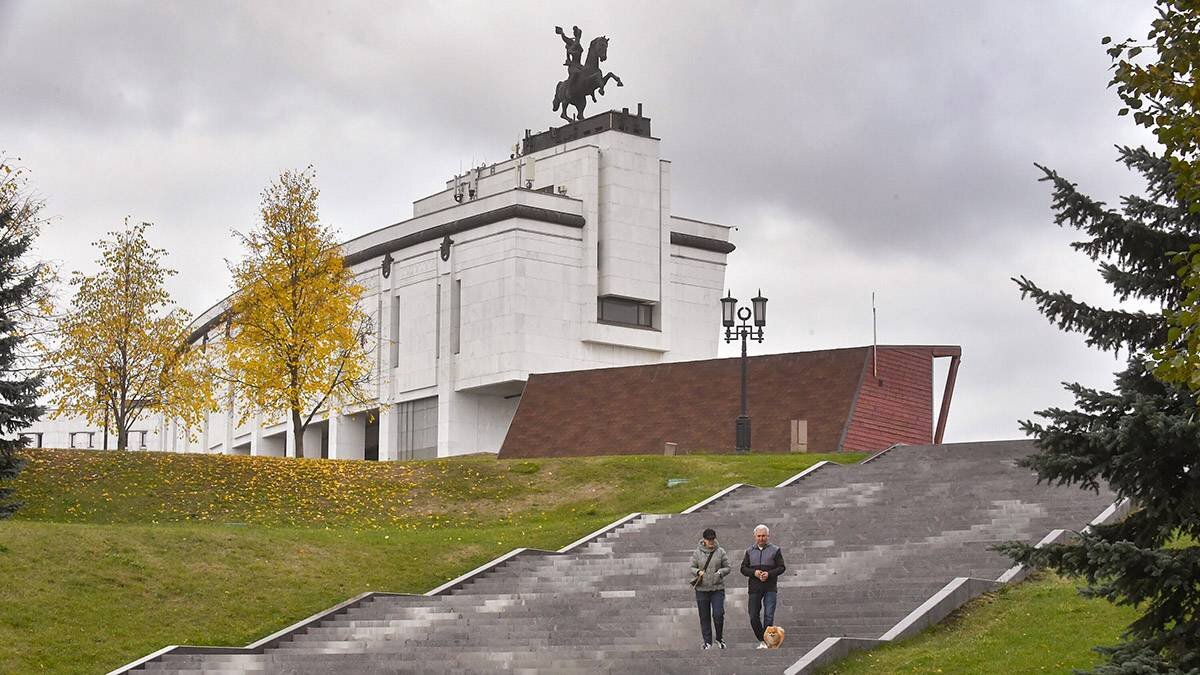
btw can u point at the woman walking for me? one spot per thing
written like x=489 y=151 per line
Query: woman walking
x=710 y=565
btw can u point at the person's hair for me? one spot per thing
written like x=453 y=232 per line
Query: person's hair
x=764 y=528
x=709 y=534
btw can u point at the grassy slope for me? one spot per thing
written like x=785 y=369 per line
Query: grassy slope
x=1040 y=626
x=117 y=554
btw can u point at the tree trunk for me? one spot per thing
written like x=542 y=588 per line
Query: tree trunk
x=297 y=433
x=122 y=433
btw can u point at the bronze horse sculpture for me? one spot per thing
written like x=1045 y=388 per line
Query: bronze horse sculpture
x=584 y=81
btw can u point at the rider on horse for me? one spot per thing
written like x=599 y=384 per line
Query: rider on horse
x=584 y=76
x=574 y=62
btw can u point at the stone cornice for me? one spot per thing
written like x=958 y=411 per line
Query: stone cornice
x=702 y=243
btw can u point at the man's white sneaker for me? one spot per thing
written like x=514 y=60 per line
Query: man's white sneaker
x=720 y=644
x=761 y=645
x=706 y=646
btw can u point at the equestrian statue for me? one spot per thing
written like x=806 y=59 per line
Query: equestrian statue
x=583 y=78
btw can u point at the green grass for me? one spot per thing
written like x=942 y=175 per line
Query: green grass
x=1040 y=626
x=73 y=486
x=117 y=554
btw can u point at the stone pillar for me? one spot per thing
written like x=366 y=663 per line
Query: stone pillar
x=256 y=436
x=347 y=435
x=230 y=415
x=387 y=346
x=444 y=411
x=388 y=432
x=290 y=439
x=666 y=300
x=446 y=360
x=463 y=418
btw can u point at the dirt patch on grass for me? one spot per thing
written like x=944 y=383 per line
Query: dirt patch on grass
x=584 y=495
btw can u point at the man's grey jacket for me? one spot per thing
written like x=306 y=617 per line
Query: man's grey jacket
x=769 y=558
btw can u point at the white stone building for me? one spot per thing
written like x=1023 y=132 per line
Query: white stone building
x=565 y=257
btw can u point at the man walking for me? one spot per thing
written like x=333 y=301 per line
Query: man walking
x=762 y=564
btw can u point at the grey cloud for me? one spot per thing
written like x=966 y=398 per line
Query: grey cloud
x=930 y=122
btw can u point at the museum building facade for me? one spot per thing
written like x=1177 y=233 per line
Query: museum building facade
x=565 y=257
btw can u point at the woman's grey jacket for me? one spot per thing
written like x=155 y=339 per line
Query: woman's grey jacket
x=718 y=568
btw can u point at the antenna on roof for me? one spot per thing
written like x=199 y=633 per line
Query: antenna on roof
x=874 y=337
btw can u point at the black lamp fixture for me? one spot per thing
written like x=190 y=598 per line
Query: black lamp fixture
x=760 y=310
x=728 y=310
x=730 y=314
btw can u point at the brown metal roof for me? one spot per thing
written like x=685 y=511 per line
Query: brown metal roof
x=638 y=409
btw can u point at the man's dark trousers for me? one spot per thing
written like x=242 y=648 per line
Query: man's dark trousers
x=762 y=611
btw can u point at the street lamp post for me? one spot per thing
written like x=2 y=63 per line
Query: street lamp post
x=729 y=316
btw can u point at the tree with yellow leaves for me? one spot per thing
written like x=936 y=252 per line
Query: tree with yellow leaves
x=297 y=336
x=122 y=350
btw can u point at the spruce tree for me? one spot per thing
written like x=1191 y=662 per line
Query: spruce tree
x=21 y=285
x=1142 y=438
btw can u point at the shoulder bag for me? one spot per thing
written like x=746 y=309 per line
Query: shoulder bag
x=696 y=579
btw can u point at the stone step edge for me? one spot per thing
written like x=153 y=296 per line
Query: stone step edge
x=956 y=593
x=261 y=645
x=500 y=560
x=883 y=452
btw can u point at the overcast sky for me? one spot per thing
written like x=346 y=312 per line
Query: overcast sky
x=857 y=147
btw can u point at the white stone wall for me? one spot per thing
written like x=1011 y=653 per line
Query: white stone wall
x=631 y=223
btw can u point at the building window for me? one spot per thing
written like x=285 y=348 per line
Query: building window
x=626 y=312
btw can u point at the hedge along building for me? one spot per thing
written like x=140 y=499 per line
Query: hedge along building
x=565 y=257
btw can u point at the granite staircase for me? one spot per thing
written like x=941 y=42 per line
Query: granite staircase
x=864 y=544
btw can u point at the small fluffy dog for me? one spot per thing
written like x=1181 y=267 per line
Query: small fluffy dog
x=773 y=636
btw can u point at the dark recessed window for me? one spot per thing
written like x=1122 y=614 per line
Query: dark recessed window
x=628 y=312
